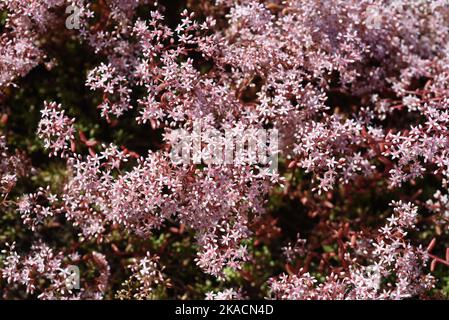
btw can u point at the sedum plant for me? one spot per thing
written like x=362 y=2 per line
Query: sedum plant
x=356 y=92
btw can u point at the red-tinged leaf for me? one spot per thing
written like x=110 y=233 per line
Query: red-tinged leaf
x=289 y=269
x=328 y=204
x=353 y=240
x=82 y=136
x=4 y=119
x=91 y=143
x=433 y=265
x=431 y=245
x=174 y=230
x=292 y=164
x=115 y=248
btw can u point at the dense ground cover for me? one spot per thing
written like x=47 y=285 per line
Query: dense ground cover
x=93 y=92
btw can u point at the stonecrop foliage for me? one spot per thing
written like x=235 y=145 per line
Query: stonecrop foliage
x=358 y=208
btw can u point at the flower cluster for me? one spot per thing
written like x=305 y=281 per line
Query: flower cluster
x=12 y=167
x=42 y=263
x=146 y=277
x=34 y=208
x=56 y=129
x=357 y=91
x=388 y=255
x=228 y=294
